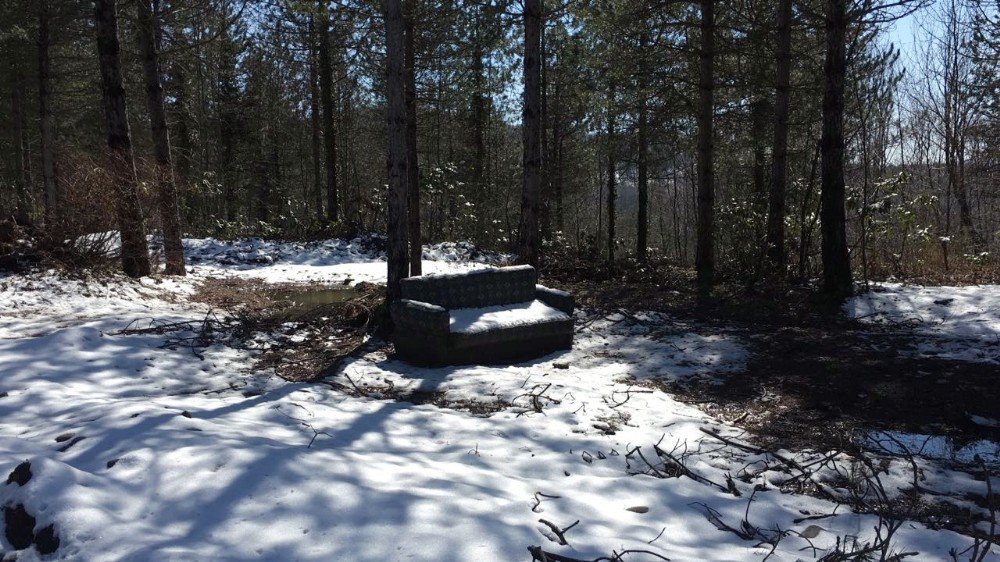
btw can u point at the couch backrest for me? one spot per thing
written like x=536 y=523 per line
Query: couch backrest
x=474 y=289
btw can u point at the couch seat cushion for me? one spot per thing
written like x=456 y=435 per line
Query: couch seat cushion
x=490 y=318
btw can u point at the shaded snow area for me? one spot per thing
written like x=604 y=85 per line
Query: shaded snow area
x=325 y=261
x=139 y=451
x=960 y=323
x=38 y=303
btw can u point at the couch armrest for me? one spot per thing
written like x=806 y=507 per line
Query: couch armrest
x=419 y=318
x=555 y=298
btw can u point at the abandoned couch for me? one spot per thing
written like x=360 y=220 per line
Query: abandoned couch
x=483 y=316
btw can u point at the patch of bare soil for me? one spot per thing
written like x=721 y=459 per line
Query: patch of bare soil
x=313 y=327
x=804 y=387
x=387 y=390
x=814 y=376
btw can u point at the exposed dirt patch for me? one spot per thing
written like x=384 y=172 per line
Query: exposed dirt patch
x=21 y=474
x=802 y=387
x=303 y=331
x=815 y=377
x=389 y=391
x=253 y=297
x=19 y=526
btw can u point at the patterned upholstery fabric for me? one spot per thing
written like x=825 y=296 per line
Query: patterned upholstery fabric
x=475 y=289
x=555 y=298
x=460 y=340
x=420 y=317
x=422 y=324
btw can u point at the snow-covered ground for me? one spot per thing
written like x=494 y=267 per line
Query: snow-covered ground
x=328 y=261
x=141 y=452
x=961 y=322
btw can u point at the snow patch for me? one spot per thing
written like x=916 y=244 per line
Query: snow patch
x=961 y=323
x=473 y=320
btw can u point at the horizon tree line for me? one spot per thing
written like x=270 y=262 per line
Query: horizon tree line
x=690 y=131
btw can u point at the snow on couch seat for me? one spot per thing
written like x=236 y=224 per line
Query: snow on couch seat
x=483 y=316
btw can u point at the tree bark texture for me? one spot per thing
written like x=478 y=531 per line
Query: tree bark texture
x=46 y=120
x=642 y=217
x=22 y=209
x=529 y=235
x=135 y=258
x=326 y=99
x=612 y=180
x=704 y=247
x=412 y=166
x=779 y=151
x=314 y=119
x=148 y=34
x=396 y=161
x=833 y=221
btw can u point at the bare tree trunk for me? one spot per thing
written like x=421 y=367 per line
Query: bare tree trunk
x=956 y=108
x=182 y=138
x=412 y=169
x=642 y=218
x=478 y=116
x=556 y=166
x=314 y=119
x=326 y=99
x=148 y=33
x=837 y=279
x=779 y=164
x=49 y=180
x=22 y=210
x=806 y=228
x=479 y=125
x=704 y=251
x=612 y=180
x=135 y=258
x=545 y=218
x=396 y=121
x=759 y=113
x=962 y=196
x=529 y=237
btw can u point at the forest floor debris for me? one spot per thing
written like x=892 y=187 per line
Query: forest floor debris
x=209 y=455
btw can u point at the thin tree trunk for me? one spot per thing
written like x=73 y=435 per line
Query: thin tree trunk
x=148 y=34
x=779 y=165
x=46 y=121
x=642 y=218
x=263 y=179
x=529 y=237
x=679 y=253
x=805 y=230
x=601 y=170
x=836 y=260
x=556 y=166
x=326 y=99
x=478 y=116
x=545 y=218
x=612 y=180
x=396 y=161
x=412 y=169
x=22 y=209
x=478 y=180
x=182 y=136
x=135 y=258
x=314 y=119
x=704 y=252
x=759 y=114
x=961 y=194
x=189 y=203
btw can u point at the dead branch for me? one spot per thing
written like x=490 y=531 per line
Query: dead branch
x=560 y=533
x=539 y=555
x=538 y=500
